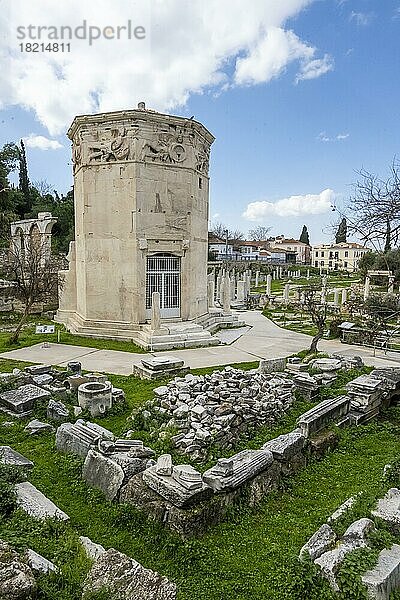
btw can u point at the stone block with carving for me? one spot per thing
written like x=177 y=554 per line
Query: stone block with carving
x=77 y=438
x=184 y=487
x=322 y=415
x=231 y=473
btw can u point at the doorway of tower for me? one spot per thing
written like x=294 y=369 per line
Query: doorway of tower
x=163 y=275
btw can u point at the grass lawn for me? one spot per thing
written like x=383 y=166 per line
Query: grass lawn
x=277 y=285
x=249 y=557
x=28 y=337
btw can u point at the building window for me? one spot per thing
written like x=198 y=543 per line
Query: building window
x=316 y=254
x=322 y=263
x=322 y=254
x=200 y=183
x=345 y=264
x=316 y=263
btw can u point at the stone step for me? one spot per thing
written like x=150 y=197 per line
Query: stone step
x=384 y=578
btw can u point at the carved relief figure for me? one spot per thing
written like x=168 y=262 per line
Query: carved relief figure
x=116 y=148
x=202 y=158
x=166 y=148
x=76 y=152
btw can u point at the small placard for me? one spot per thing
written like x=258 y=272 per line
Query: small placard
x=45 y=328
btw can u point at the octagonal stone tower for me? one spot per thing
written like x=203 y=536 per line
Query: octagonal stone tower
x=141 y=189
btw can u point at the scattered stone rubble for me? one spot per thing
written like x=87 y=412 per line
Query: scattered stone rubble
x=188 y=502
x=16 y=577
x=328 y=553
x=113 y=571
x=180 y=496
x=219 y=408
x=38 y=383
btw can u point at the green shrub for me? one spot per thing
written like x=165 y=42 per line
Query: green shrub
x=8 y=498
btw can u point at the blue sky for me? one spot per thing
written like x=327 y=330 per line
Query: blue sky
x=282 y=136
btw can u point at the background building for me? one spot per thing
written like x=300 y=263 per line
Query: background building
x=344 y=256
x=302 y=250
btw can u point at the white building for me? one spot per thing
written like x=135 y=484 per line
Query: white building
x=344 y=256
x=219 y=247
x=302 y=250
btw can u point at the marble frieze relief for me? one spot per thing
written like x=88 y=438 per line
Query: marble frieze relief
x=140 y=140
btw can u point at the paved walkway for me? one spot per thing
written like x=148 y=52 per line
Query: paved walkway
x=263 y=340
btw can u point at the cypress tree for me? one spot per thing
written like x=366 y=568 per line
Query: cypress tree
x=304 y=237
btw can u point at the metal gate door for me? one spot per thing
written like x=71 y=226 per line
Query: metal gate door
x=163 y=274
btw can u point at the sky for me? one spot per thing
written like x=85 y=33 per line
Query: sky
x=300 y=94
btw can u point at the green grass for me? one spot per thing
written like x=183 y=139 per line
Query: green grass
x=28 y=337
x=277 y=285
x=249 y=557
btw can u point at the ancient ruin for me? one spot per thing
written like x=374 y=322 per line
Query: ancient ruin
x=138 y=265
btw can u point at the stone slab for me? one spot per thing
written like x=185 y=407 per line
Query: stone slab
x=103 y=473
x=11 y=457
x=125 y=577
x=384 y=578
x=287 y=445
x=388 y=507
x=319 y=543
x=162 y=362
x=33 y=502
x=23 y=398
x=323 y=414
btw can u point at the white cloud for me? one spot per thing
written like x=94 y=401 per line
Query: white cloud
x=340 y=137
x=190 y=48
x=41 y=142
x=361 y=19
x=311 y=69
x=294 y=206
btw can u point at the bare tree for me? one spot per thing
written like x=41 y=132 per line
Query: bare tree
x=33 y=272
x=220 y=231
x=373 y=211
x=236 y=236
x=43 y=187
x=259 y=233
x=317 y=311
